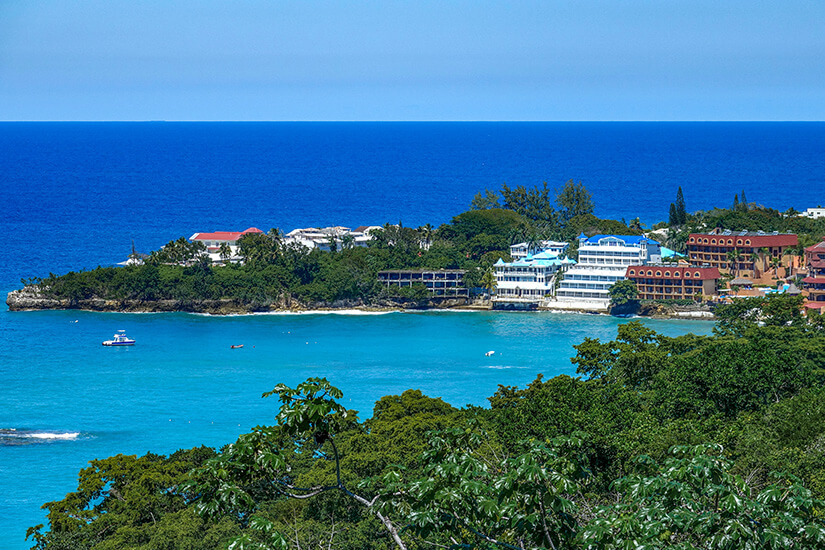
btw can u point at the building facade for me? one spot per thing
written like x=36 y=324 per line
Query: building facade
x=603 y=260
x=214 y=240
x=528 y=281
x=815 y=281
x=665 y=282
x=440 y=283
x=746 y=253
x=522 y=250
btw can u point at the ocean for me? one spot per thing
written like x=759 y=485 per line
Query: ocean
x=76 y=195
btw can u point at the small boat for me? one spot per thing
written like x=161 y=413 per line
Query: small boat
x=490 y=353
x=119 y=339
x=236 y=347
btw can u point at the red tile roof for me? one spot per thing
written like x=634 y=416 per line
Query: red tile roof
x=814 y=280
x=228 y=236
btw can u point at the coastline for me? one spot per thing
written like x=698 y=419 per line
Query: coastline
x=27 y=299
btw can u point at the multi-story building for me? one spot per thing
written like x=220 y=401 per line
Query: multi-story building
x=322 y=237
x=666 y=282
x=603 y=260
x=528 y=281
x=441 y=283
x=214 y=240
x=815 y=281
x=814 y=213
x=522 y=250
x=746 y=253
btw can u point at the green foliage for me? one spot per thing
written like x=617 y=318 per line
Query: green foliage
x=574 y=200
x=623 y=291
x=485 y=200
x=693 y=500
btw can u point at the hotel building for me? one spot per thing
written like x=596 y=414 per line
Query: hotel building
x=528 y=281
x=664 y=282
x=713 y=249
x=815 y=281
x=603 y=260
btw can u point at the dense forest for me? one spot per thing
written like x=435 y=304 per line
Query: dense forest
x=711 y=442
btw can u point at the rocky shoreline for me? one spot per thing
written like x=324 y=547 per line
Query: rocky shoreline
x=31 y=299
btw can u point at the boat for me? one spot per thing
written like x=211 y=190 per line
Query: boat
x=236 y=346
x=119 y=339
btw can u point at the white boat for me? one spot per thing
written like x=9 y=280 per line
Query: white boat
x=119 y=339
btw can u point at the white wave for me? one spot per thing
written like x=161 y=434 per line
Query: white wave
x=54 y=435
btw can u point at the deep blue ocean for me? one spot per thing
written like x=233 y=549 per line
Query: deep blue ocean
x=75 y=195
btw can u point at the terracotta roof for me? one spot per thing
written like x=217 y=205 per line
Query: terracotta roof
x=228 y=236
x=814 y=280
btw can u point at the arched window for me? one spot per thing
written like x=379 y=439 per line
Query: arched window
x=667 y=273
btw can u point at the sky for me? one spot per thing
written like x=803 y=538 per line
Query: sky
x=412 y=60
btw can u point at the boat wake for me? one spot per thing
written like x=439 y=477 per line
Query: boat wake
x=14 y=436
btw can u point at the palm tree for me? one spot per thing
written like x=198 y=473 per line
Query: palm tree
x=775 y=263
x=764 y=253
x=489 y=282
x=734 y=256
x=225 y=253
x=754 y=257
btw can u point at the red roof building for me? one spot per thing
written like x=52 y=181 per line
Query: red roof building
x=664 y=282
x=758 y=251
x=217 y=238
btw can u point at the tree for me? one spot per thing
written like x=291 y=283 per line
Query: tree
x=488 y=281
x=673 y=216
x=257 y=466
x=622 y=292
x=484 y=200
x=743 y=204
x=574 y=200
x=681 y=210
x=734 y=256
x=693 y=500
x=224 y=252
x=533 y=204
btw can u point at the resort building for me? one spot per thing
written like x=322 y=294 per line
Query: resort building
x=213 y=242
x=522 y=250
x=322 y=237
x=748 y=253
x=815 y=281
x=441 y=283
x=814 y=213
x=526 y=283
x=666 y=282
x=603 y=260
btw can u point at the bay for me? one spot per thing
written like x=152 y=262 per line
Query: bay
x=75 y=195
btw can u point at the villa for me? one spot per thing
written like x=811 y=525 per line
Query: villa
x=322 y=237
x=603 y=260
x=213 y=242
x=526 y=282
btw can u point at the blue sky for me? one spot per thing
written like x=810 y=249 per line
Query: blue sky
x=412 y=60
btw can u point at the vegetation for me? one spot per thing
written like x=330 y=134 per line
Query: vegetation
x=712 y=442
x=272 y=272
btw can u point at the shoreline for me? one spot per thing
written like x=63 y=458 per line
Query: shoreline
x=29 y=300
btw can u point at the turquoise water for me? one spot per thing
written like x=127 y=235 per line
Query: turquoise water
x=182 y=385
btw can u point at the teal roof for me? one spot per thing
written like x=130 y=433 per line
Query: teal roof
x=668 y=253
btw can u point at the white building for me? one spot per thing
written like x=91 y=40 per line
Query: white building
x=603 y=260
x=522 y=250
x=528 y=281
x=214 y=240
x=321 y=237
x=814 y=213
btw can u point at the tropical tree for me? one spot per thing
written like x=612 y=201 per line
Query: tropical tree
x=484 y=200
x=574 y=200
x=225 y=252
x=734 y=256
x=693 y=500
x=489 y=282
x=622 y=292
x=256 y=468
